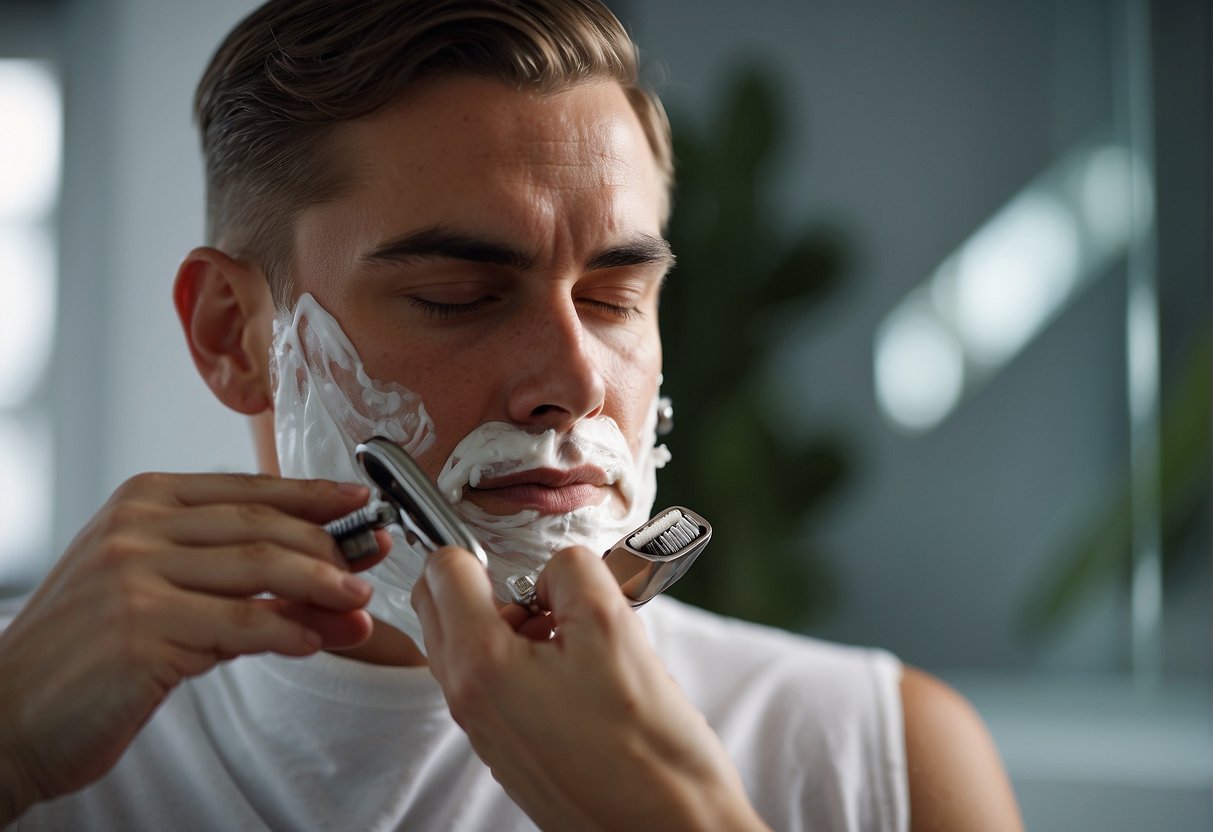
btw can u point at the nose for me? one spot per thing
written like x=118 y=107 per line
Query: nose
x=557 y=380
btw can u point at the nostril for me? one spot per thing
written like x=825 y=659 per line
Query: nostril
x=545 y=409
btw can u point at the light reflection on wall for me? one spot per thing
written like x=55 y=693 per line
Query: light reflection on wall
x=30 y=162
x=1004 y=284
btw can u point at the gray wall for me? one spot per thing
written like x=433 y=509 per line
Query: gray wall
x=129 y=398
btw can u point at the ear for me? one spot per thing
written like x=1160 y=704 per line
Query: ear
x=227 y=313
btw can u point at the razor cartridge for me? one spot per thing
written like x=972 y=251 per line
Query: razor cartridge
x=645 y=563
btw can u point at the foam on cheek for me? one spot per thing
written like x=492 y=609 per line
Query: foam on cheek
x=325 y=403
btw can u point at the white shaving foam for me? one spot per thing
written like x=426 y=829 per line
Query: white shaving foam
x=325 y=404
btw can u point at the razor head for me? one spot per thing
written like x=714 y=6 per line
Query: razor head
x=645 y=563
x=651 y=559
x=426 y=518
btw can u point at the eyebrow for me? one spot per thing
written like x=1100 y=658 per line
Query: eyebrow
x=438 y=242
x=452 y=245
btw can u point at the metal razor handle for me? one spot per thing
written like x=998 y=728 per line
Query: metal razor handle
x=406 y=498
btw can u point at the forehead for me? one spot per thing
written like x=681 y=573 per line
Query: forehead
x=486 y=152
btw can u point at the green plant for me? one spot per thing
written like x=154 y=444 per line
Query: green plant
x=1098 y=556
x=738 y=271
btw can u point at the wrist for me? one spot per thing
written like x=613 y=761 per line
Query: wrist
x=16 y=790
x=707 y=802
x=728 y=809
x=14 y=793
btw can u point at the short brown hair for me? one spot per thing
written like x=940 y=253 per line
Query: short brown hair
x=293 y=69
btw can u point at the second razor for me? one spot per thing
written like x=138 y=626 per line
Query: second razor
x=645 y=562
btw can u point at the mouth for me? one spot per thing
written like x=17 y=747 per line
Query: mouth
x=546 y=490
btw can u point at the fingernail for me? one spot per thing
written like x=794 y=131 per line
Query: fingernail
x=356 y=586
x=352 y=488
x=313 y=639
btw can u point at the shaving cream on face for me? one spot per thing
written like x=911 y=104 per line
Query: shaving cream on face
x=325 y=403
x=526 y=540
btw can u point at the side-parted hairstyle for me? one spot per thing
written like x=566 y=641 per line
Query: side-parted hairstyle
x=294 y=69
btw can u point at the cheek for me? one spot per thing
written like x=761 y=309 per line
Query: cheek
x=452 y=390
x=632 y=384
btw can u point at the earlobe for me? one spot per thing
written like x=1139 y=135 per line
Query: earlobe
x=226 y=312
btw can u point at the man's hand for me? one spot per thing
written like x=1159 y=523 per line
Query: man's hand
x=585 y=730
x=162 y=584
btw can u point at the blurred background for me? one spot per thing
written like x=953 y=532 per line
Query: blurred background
x=938 y=339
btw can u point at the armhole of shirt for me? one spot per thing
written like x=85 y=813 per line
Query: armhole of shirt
x=889 y=754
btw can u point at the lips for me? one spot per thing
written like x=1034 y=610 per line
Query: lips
x=546 y=490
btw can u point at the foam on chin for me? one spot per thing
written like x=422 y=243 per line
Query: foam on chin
x=325 y=403
x=526 y=540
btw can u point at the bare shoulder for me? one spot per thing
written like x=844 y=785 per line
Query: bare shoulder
x=956 y=777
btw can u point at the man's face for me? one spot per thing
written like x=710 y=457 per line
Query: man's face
x=499 y=255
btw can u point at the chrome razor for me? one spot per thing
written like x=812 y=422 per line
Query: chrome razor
x=404 y=497
x=645 y=562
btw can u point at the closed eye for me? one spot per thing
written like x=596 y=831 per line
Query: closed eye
x=436 y=310
x=623 y=313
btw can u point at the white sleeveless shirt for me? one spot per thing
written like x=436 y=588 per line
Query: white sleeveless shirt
x=326 y=743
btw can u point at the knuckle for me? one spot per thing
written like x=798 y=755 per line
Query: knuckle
x=318 y=540
x=253 y=513
x=148 y=482
x=134 y=598
x=250 y=480
x=258 y=554
x=244 y=616
x=116 y=551
x=600 y=613
x=320 y=572
x=316 y=488
x=127 y=513
x=132 y=486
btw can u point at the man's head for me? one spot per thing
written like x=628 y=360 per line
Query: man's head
x=289 y=75
x=469 y=259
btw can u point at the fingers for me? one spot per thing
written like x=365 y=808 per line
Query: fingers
x=238 y=523
x=261 y=566
x=228 y=627
x=224 y=628
x=337 y=630
x=576 y=583
x=316 y=500
x=248 y=523
x=454 y=602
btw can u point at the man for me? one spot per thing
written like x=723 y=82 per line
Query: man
x=440 y=221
